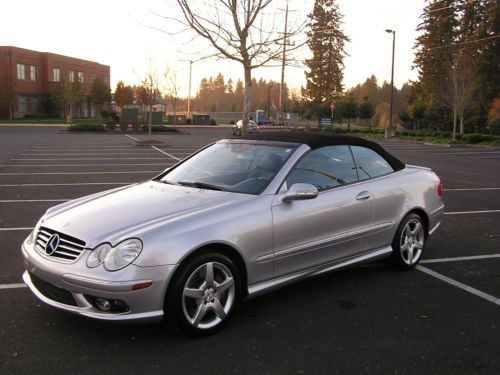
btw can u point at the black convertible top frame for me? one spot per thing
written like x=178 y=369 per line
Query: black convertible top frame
x=314 y=141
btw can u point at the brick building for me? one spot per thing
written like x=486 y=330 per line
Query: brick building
x=34 y=75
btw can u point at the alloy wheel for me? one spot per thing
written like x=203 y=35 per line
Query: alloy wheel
x=208 y=295
x=412 y=241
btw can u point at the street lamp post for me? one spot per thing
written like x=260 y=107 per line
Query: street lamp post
x=389 y=131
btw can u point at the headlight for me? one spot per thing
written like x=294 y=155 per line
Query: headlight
x=97 y=256
x=115 y=258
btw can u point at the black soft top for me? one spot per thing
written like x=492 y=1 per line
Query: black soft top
x=315 y=140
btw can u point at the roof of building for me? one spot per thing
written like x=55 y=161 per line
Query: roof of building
x=317 y=140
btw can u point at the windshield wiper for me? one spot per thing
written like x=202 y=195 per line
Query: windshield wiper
x=169 y=182
x=201 y=185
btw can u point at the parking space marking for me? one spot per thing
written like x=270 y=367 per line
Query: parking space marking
x=471 y=212
x=459 y=259
x=94 y=159
x=466 y=152
x=32 y=200
x=82 y=165
x=473 y=189
x=91 y=154
x=460 y=285
x=77 y=173
x=135 y=139
x=13 y=286
x=16 y=229
x=69 y=184
x=166 y=153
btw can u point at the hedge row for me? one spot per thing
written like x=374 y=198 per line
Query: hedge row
x=111 y=127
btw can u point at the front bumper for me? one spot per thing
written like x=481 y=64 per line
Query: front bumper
x=77 y=286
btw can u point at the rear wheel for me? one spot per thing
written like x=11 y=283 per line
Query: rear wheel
x=203 y=295
x=409 y=242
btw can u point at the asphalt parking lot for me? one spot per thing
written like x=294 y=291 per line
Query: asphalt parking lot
x=443 y=317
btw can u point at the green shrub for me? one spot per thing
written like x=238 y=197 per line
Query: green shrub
x=124 y=127
x=495 y=126
x=159 y=129
x=86 y=128
x=111 y=125
x=213 y=122
x=478 y=138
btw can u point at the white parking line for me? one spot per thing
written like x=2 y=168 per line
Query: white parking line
x=166 y=153
x=473 y=189
x=81 y=165
x=13 y=286
x=91 y=154
x=459 y=259
x=94 y=159
x=466 y=153
x=471 y=212
x=69 y=184
x=32 y=200
x=15 y=229
x=75 y=173
x=483 y=157
x=460 y=285
x=135 y=139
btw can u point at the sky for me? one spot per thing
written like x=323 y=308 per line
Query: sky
x=125 y=35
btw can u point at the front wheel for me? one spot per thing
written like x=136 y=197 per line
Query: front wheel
x=408 y=243
x=203 y=295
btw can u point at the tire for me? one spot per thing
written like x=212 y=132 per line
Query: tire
x=198 y=304
x=409 y=242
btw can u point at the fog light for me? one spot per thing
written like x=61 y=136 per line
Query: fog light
x=103 y=304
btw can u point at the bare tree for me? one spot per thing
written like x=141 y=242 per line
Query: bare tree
x=464 y=84
x=239 y=30
x=150 y=86
x=172 y=88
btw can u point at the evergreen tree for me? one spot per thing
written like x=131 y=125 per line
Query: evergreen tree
x=326 y=42
x=366 y=110
x=434 y=56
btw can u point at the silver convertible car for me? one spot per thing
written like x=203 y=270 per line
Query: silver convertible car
x=235 y=219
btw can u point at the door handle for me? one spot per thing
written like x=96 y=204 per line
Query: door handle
x=363 y=196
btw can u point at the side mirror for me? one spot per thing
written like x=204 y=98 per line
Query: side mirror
x=299 y=192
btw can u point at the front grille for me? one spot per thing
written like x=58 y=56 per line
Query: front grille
x=64 y=248
x=53 y=292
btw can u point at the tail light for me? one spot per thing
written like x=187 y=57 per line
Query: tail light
x=440 y=188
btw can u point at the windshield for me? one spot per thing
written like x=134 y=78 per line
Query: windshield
x=235 y=167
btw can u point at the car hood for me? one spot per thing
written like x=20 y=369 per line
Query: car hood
x=124 y=212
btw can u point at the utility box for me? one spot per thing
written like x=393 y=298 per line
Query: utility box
x=129 y=115
x=201 y=120
x=156 y=118
x=179 y=119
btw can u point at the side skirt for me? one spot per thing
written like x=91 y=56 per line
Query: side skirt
x=266 y=286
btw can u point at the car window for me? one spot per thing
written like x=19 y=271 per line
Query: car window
x=325 y=168
x=235 y=167
x=370 y=163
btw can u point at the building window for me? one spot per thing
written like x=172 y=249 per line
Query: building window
x=21 y=103
x=80 y=77
x=57 y=74
x=33 y=73
x=21 y=71
x=71 y=76
x=34 y=105
x=92 y=77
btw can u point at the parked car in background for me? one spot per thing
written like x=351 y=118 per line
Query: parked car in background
x=236 y=219
x=238 y=127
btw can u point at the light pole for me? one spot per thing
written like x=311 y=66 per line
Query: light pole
x=189 y=92
x=389 y=131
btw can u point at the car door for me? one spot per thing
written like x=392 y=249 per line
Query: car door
x=330 y=227
x=388 y=198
